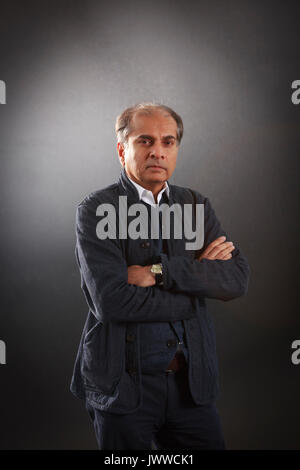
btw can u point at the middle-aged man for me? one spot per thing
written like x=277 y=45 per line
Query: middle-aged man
x=146 y=365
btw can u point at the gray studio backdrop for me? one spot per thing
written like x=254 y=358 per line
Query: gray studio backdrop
x=69 y=68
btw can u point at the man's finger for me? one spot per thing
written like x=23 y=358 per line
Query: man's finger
x=224 y=258
x=225 y=253
x=213 y=244
x=219 y=252
x=220 y=248
x=225 y=248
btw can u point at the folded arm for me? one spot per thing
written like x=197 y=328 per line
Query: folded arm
x=104 y=280
x=223 y=279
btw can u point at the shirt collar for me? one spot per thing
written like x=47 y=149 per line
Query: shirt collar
x=147 y=196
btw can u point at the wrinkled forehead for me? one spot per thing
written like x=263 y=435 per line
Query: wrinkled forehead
x=153 y=122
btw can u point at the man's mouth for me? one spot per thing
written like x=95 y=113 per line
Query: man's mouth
x=156 y=166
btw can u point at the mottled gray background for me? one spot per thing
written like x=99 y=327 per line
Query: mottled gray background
x=70 y=67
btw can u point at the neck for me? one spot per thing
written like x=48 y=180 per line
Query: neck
x=155 y=187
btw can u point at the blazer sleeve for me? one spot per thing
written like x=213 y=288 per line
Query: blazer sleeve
x=104 y=280
x=216 y=279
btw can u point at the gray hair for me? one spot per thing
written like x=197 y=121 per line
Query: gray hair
x=123 y=122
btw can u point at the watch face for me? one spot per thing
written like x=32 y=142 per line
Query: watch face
x=156 y=268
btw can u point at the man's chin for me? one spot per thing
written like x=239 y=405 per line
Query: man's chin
x=158 y=177
x=156 y=180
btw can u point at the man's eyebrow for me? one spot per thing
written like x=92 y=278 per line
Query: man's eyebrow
x=169 y=137
x=146 y=136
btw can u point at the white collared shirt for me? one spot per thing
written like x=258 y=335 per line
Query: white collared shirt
x=147 y=196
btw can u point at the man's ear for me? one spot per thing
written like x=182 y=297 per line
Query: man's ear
x=121 y=153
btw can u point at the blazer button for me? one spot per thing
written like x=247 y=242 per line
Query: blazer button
x=130 y=337
x=171 y=342
x=145 y=244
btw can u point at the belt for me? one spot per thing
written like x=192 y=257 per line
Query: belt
x=178 y=362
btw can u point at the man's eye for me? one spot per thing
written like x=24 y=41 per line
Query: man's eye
x=144 y=141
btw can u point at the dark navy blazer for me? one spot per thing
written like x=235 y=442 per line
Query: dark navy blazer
x=107 y=370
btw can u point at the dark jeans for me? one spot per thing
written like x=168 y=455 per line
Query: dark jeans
x=167 y=417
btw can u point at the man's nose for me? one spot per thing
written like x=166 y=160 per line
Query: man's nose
x=157 y=152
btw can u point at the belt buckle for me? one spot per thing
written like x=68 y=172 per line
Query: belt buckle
x=178 y=365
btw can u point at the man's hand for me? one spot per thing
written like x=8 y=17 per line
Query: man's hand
x=218 y=249
x=141 y=276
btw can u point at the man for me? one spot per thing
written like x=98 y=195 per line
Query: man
x=146 y=365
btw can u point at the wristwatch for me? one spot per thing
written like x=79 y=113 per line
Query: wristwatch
x=157 y=270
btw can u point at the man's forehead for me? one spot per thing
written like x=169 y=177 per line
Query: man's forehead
x=145 y=123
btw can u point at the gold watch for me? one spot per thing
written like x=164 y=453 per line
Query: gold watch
x=156 y=269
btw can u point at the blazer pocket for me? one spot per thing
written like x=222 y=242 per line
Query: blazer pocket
x=101 y=366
